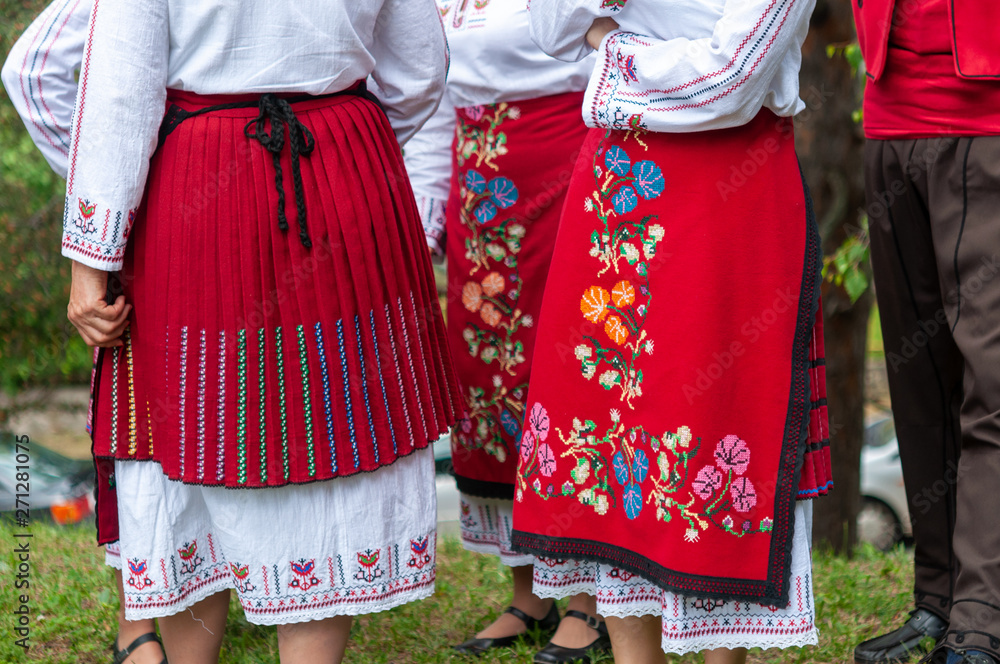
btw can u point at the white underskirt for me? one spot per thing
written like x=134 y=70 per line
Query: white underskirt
x=345 y=546
x=693 y=624
x=486 y=527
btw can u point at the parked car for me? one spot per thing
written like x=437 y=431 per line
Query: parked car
x=54 y=487
x=884 y=520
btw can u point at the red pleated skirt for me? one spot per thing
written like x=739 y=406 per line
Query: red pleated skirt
x=678 y=380
x=252 y=360
x=512 y=164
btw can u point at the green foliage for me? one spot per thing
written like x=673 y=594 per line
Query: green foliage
x=847 y=265
x=74 y=607
x=852 y=54
x=38 y=346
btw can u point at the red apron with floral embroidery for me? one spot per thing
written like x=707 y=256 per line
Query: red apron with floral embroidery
x=678 y=380
x=512 y=164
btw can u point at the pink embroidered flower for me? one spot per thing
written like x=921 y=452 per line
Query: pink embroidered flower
x=733 y=454
x=728 y=521
x=527 y=447
x=474 y=113
x=538 y=421
x=546 y=460
x=707 y=481
x=744 y=495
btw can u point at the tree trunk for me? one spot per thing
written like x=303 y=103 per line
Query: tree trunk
x=830 y=144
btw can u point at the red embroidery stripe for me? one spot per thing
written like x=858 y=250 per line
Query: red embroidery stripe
x=740 y=83
x=333 y=602
x=107 y=222
x=218 y=575
x=743 y=80
x=90 y=253
x=729 y=65
x=604 y=91
x=24 y=93
x=41 y=94
x=81 y=99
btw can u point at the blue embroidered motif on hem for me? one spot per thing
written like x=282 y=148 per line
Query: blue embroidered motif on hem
x=381 y=381
x=364 y=386
x=327 y=404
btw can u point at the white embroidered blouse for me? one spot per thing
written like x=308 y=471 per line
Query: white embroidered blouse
x=493 y=59
x=681 y=65
x=136 y=50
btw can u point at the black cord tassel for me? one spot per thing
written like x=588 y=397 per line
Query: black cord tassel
x=300 y=142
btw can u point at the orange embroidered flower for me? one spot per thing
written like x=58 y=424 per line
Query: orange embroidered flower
x=594 y=304
x=616 y=330
x=623 y=294
x=490 y=314
x=472 y=296
x=493 y=284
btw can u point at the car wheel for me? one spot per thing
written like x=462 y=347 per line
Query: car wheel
x=878 y=525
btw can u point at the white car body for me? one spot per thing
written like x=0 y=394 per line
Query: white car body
x=882 y=490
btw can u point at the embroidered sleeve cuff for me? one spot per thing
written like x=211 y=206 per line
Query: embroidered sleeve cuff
x=605 y=80
x=432 y=215
x=93 y=238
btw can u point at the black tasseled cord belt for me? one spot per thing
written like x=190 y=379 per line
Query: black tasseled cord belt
x=279 y=112
x=300 y=142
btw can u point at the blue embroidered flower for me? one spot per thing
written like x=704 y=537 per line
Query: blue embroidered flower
x=648 y=179
x=485 y=211
x=617 y=160
x=509 y=423
x=504 y=192
x=621 y=467
x=632 y=500
x=624 y=200
x=475 y=182
x=640 y=466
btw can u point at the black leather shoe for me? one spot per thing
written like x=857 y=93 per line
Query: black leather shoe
x=902 y=644
x=553 y=654
x=547 y=625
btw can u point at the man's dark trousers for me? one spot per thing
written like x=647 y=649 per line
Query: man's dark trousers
x=934 y=219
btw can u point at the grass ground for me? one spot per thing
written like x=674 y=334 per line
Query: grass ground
x=74 y=607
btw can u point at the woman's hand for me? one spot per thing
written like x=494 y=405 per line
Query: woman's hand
x=99 y=323
x=599 y=30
